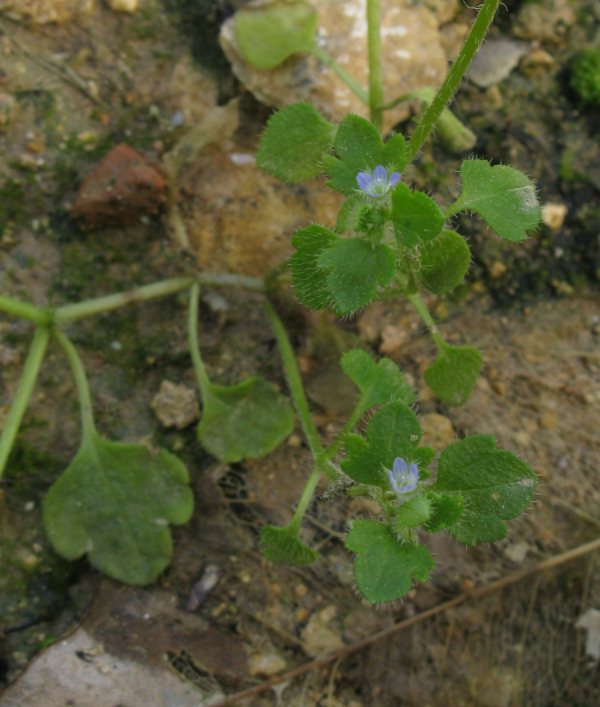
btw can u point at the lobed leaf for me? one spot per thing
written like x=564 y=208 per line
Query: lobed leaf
x=354 y=270
x=310 y=281
x=413 y=513
x=393 y=431
x=115 y=502
x=444 y=262
x=496 y=485
x=266 y=35
x=244 y=421
x=294 y=142
x=416 y=217
x=445 y=511
x=379 y=382
x=385 y=567
x=283 y=545
x=504 y=197
x=453 y=373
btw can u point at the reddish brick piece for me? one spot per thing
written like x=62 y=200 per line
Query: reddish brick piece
x=123 y=187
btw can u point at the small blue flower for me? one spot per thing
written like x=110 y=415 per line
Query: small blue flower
x=378 y=182
x=403 y=478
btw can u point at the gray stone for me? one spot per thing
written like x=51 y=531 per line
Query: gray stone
x=495 y=60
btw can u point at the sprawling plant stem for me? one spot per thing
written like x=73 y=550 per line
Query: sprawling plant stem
x=375 y=68
x=199 y=367
x=26 y=385
x=358 y=90
x=24 y=310
x=81 y=383
x=448 y=88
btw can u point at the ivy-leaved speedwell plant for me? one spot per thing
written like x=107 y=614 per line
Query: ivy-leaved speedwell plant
x=115 y=501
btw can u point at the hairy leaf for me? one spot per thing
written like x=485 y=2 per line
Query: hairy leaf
x=453 y=373
x=115 y=502
x=495 y=484
x=268 y=34
x=385 y=567
x=283 y=545
x=310 y=281
x=504 y=197
x=444 y=262
x=244 y=421
x=416 y=217
x=379 y=382
x=294 y=142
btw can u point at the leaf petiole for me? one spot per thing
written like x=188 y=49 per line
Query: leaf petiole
x=23 y=394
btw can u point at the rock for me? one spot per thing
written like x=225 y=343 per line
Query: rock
x=413 y=58
x=393 y=338
x=453 y=37
x=123 y=187
x=124 y=5
x=318 y=636
x=444 y=10
x=547 y=21
x=437 y=430
x=495 y=60
x=265 y=664
x=42 y=12
x=191 y=93
x=241 y=219
x=591 y=622
x=175 y=405
x=553 y=215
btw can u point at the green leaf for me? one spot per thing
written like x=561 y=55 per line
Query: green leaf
x=504 y=197
x=349 y=213
x=268 y=34
x=283 y=545
x=445 y=511
x=413 y=513
x=294 y=142
x=310 y=282
x=244 y=421
x=355 y=269
x=392 y=432
x=495 y=484
x=115 y=502
x=379 y=382
x=358 y=147
x=444 y=262
x=385 y=567
x=416 y=217
x=453 y=373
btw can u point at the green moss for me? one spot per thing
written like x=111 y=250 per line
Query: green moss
x=12 y=203
x=585 y=75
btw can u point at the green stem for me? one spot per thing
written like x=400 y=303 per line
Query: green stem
x=417 y=302
x=294 y=381
x=41 y=317
x=83 y=389
x=375 y=70
x=349 y=425
x=26 y=385
x=305 y=497
x=72 y=312
x=448 y=88
x=199 y=367
x=323 y=56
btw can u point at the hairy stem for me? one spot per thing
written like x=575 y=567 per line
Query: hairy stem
x=328 y=60
x=375 y=70
x=306 y=497
x=23 y=394
x=83 y=388
x=417 y=302
x=448 y=88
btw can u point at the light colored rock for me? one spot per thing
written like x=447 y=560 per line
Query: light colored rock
x=42 y=12
x=591 y=622
x=124 y=5
x=547 y=21
x=265 y=664
x=495 y=60
x=318 y=636
x=175 y=405
x=191 y=93
x=444 y=10
x=413 y=58
x=553 y=215
x=437 y=430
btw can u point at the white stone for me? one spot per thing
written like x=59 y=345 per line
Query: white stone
x=124 y=5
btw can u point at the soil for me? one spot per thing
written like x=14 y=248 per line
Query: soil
x=83 y=87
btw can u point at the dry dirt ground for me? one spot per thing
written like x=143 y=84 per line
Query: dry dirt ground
x=497 y=626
